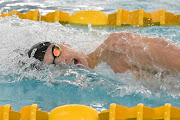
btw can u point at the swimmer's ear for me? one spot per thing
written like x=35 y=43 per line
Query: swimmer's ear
x=67 y=45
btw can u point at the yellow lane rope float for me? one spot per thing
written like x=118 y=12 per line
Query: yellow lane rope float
x=98 y=18
x=82 y=112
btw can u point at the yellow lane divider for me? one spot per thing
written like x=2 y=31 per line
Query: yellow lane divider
x=140 y=112
x=120 y=18
x=93 y=17
x=73 y=112
x=32 y=113
x=82 y=112
x=7 y=114
x=127 y=18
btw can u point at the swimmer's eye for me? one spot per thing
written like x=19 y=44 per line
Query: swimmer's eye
x=56 y=52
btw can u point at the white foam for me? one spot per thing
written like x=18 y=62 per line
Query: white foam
x=17 y=36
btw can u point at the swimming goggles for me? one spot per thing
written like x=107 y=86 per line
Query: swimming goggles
x=56 y=52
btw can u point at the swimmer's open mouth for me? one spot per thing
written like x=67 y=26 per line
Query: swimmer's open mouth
x=76 y=61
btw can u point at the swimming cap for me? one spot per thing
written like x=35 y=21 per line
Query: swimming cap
x=40 y=50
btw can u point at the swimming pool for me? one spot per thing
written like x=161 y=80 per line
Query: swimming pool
x=21 y=86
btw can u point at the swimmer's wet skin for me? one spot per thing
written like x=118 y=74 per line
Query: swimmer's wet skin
x=122 y=51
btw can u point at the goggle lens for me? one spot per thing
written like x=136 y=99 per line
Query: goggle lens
x=57 y=51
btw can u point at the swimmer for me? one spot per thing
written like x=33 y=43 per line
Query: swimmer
x=121 y=51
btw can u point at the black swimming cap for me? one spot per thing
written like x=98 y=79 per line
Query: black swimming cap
x=40 y=50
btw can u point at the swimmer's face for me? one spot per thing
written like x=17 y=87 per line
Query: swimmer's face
x=68 y=55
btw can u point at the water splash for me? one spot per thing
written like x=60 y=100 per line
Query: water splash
x=68 y=84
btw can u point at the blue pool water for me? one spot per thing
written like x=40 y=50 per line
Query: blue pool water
x=54 y=86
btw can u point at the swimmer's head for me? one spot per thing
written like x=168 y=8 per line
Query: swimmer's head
x=38 y=50
x=47 y=51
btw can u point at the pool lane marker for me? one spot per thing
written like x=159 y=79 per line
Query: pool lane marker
x=140 y=112
x=7 y=114
x=98 y=18
x=79 y=112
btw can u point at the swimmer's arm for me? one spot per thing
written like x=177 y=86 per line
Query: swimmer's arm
x=127 y=51
x=146 y=51
x=106 y=53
